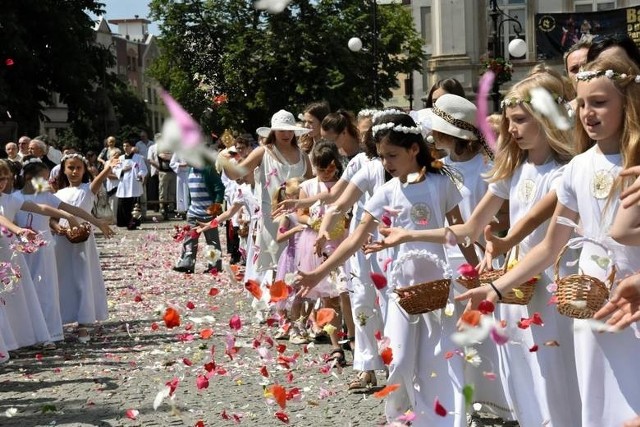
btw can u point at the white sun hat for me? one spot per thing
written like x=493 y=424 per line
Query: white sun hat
x=282 y=120
x=455 y=116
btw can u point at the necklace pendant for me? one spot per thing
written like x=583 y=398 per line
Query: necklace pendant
x=601 y=184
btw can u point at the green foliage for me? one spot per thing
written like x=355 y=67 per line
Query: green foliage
x=266 y=62
x=50 y=43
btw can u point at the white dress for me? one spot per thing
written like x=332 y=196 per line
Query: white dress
x=366 y=302
x=540 y=386
x=468 y=179
x=608 y=376
x=83 y=297
x=272 y=173
x=22 y=307
x=182 y=183
x=42 y=263
x=419 y=342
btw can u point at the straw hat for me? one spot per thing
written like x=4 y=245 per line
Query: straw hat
x=282 y=120
x=455 y=116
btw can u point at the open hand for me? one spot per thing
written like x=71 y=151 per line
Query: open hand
x=496 y=246
x=624 y=305
x=305 y=282
x=391 y=237
x=27 y=234
x=106 y=230
x=321 y=241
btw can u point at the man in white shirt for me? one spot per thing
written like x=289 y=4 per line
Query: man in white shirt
x=150 y=187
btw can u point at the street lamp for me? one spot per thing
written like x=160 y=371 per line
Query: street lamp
x=517 y=46
x=355 y=44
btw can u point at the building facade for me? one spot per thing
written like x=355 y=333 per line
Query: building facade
x=134 y=49
x=458 y=36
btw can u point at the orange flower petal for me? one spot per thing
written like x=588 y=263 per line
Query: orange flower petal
x=279 y=291
x=386 y=391
x=324 y=316
x=471 y=317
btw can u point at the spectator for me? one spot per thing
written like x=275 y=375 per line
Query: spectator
x=12 y=152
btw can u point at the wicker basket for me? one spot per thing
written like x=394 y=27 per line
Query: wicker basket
x=78 y=234
x=579 y=295
x=424 y=297
x=510 y=297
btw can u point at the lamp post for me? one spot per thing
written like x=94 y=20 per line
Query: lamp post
x=498 y=19
x=355 y=45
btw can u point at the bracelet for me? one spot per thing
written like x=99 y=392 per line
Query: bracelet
x=495 y=289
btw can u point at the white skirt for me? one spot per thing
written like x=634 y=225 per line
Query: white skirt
x=44 y=274
x=22 y=308
x=83 y=296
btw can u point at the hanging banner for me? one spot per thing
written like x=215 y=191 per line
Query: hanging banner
x=557 y=32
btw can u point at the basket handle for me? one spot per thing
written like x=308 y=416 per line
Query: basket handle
x=579 y=241
x=29 y=221
x=419 y=253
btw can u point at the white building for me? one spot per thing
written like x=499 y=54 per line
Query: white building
x=457 y=34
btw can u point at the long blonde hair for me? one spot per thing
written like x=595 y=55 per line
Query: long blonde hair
x=509 y=155
x=630 y=91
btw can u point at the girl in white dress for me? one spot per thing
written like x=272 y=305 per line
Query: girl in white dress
x=527 y=169
x=608 y=106
x=42 y=263
x=26 y=323
x=421 y=196
x=83 y=296
x=7 y=340
x=276 y=161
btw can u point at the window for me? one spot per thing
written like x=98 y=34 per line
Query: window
x=515 y=10
x=583 y=6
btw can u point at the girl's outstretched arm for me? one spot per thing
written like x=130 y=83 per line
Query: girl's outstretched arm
x=4 y=222
x=465 y=233
x=81 y=213
x=455 y=217
x=325 y=197
x=49 y=211
x=537 y=260
x=335 y=213
x=624 y=305
x=249 y=164
x=349 y=246
x=541 y=211
x=96 y=184
x=224 y=216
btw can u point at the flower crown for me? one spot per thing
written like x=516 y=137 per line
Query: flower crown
x=367 y=113
x=380 y=114
x=416 y=130
x=513 y=101
x=585 y=76
x=74 y=156
x=30 y=161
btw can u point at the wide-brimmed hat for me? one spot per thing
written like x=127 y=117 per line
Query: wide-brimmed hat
x=455 y=116
x=282 y=120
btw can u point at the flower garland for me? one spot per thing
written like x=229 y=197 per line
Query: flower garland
x=416 y=130
x=585 y=76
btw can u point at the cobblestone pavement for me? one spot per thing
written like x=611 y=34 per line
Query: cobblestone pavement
x=115 y=379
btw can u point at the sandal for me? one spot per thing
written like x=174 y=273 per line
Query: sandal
x=297 y=335
x=283 y=332
x=336 y=358
x=364 y=379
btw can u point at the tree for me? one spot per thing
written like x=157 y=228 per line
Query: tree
x=264 y=62
x=46 y=46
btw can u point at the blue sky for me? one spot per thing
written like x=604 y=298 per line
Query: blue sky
x=116 y=9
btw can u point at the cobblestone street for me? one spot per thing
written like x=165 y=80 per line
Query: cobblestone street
x=210 y=374
x=115 y=379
